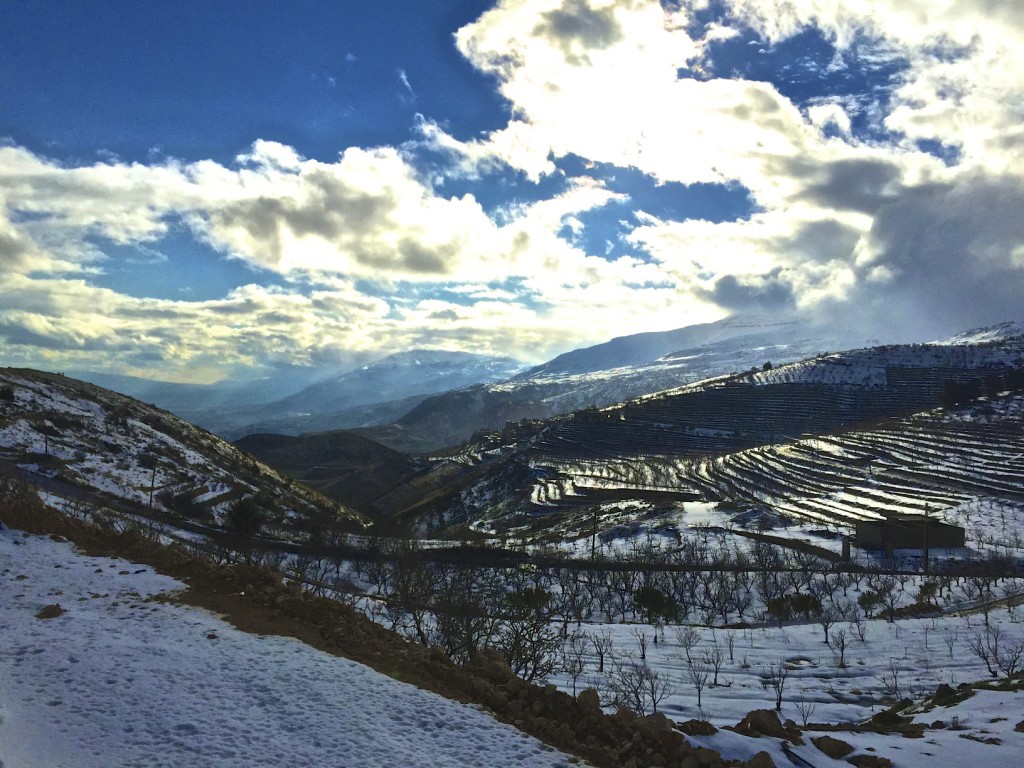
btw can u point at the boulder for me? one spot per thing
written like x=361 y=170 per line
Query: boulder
x=834 y=748
x=590 y=700
x=761 y=760
x=761 y=722
x=698 y=728
x=870 y=761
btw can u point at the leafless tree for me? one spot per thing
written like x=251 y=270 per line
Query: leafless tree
x=698 y=673
x=840 y=640
x=634 y=685
x=774 y=676
x=688 y=638
x=950 y=638
x=603 y=644
x=805 y=708
x=714 y=656
x=574 y=655
x=641 y=641
x=890 y=679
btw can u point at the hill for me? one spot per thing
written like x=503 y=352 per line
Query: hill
x=525 y=472
x=102 y=448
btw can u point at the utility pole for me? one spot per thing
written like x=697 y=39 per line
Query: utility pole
x=593 y=535
x=152 y=484
x=927 y=518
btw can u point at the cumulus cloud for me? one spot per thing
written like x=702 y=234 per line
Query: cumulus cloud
x=372 y=255
x=357 y=244
x=602 y=80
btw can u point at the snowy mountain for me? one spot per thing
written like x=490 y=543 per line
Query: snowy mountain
x=642 y=348
x=620 y=370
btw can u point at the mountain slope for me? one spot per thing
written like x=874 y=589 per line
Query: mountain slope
x=550 y=390
x=342 y=465
x=646 y=347
x=98 y=445
x=121 y=679
x=822 y=396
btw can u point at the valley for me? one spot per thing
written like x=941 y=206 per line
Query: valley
x=697 y=552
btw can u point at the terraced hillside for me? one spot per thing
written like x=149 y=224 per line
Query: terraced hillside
x=819 y=395
x=830 y=441
x=964 y=466
x=95 y=445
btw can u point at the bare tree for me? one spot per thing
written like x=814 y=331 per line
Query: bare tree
x=890 y=680
x=860 y=626
x=634 y=685
x=805 y=708
x=774 y=676
x=574 y=655
x=698 y=673
x=688 y=638
x=602 y=642
x=714 y=656
x=641 y=641
x=829 y=616
x=950 y=637
x=840 y=639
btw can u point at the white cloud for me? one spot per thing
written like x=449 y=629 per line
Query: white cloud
x=366 y=219
x=601 y=80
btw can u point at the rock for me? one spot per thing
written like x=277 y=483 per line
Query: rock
x=834 y=748
x=761 y=760
x=698 y=728
x=942 y=693
x=870 y=761
x=1019 y=727
x=514 y=685
x=625 y=715
x=589 y=700
x=707 y=756
x=761 y=722
x=887 y=717
x=50 y=611
x=658 y=722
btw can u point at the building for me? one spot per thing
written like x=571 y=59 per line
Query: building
x=908 y=532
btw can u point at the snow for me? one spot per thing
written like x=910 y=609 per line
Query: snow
x=120 y=680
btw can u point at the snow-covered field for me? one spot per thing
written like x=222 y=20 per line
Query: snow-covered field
x=119 y=680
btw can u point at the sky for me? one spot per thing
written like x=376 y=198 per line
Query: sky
x=195 y=191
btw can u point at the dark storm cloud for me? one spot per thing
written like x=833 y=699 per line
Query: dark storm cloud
x=946 y=258
x=770 y=292
x=819 y=241
x=854 y=185
x=577 y=27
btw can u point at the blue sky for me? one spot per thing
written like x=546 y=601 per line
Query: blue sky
x=198 y=190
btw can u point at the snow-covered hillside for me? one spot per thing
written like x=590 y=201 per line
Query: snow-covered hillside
x=80 y=437
x=118 y=679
